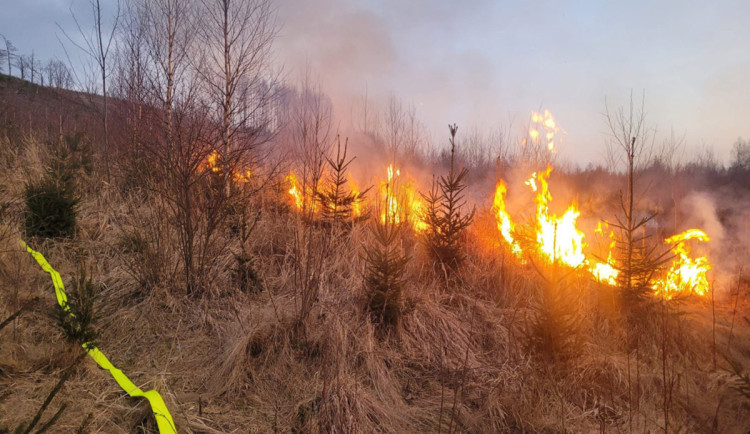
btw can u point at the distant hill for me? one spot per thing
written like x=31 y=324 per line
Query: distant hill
x=27 y=107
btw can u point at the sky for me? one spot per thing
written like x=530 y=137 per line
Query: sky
x=488 y=64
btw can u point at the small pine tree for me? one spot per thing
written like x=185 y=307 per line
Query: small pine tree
x=384 y=273
x=338 y=202
x=79 y=317
x=52 y=202
x=444 y=215
x=554 y=331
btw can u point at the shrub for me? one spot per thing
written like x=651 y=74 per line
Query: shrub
x=338 y=202
x=245 y=274
x=384 y=272
x=554 y=330
x=445 y=219
x=52 y=202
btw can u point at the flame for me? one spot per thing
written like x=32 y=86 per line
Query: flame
x=401 y=201
x=357 y=204
x=543 y=125
x=605 y=272
x=686 y=275
x=558 y=238
x=302 y=201
x=212 y=160
x=307 y=201
x=212 y=164
x=504 y=223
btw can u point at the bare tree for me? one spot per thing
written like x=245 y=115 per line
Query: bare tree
x=236 y=40
x=10 y=49
x=181 y=145
x=369 y=122
x=310 y=133
x=130 y=78
x=22 y=62
x=97 y=46
x=58 y=74
x=33 y=66
x=3 y=56
x=395 y=126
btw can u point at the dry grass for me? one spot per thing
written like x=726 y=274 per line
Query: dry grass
x=238 y=362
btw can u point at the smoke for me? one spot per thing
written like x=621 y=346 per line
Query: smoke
x=699 y=209
x=369 y=52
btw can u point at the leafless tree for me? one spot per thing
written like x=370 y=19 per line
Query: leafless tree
x=236 y=38
x=159 y=43
x=22 y=62
x=58 y=74
x=97 y=45
x=10 y=49
x=33 y=66
x=415 y=140
x=369 y=121
x=395 y=126
x=130 y=80
x=309 y=130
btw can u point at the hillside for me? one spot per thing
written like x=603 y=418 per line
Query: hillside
x=278 y=333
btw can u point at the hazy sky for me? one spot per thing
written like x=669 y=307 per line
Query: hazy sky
x=486 y=64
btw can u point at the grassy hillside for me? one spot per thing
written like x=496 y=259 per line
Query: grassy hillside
x=502 y=345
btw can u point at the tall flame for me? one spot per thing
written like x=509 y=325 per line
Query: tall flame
x=357 y=204
x=504 y=223
x=686 y=275
x=401 y=201
x=295 y=190
x=558 y=238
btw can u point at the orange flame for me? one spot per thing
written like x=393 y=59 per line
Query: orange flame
x=302 y=200
x=307 y=201
x=686 y=275
x=605 y=272
x=558 y=238
x=504 y=223
x=357 y=204
x=401 y=201
x=212 y=164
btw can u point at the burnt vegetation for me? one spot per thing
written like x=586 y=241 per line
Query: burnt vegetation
x=268 y=270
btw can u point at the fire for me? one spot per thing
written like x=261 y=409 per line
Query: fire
x=401 y=201
x=605 y=272
x=302 y=200
x=357 y=204
x=504 y=223
x=686 y=275
x=558 y=238
x=212 y=164
x=212 y=160
x=543 y=125
x=307 y=200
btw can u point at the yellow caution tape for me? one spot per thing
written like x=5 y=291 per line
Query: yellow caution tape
x=161 y=413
